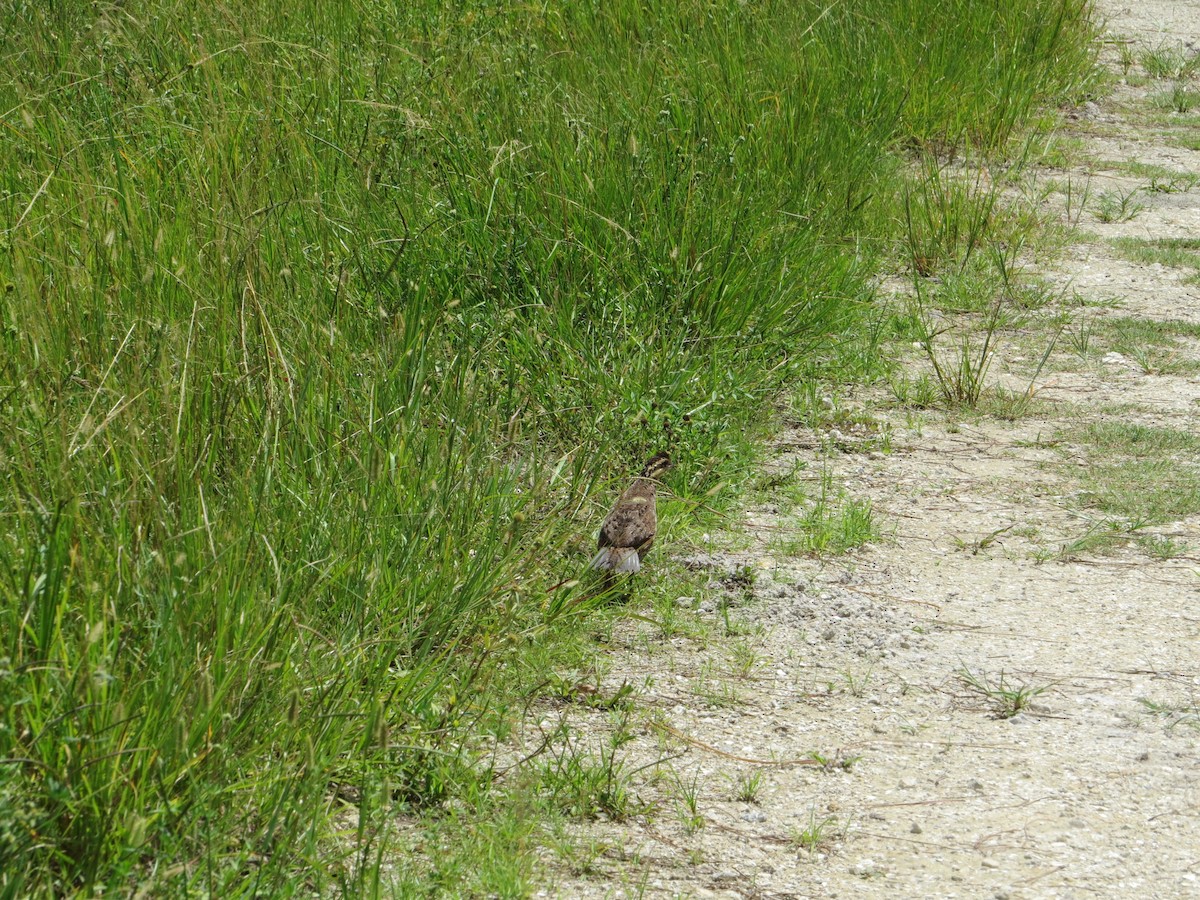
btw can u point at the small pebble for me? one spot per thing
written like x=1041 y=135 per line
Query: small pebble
x=865 y=868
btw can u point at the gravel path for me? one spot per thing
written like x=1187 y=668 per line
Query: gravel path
x=896 y=662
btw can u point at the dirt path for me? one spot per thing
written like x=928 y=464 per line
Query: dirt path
x=999 y=588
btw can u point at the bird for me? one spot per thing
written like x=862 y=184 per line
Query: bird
x=628 y=531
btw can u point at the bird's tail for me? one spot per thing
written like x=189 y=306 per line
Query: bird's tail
x=624 y=560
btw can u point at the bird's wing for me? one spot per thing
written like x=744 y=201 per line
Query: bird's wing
x=630 y=524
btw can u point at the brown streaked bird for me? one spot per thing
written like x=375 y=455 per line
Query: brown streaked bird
x=628 y=532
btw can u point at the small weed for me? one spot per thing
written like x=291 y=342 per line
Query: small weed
x=743 y=660
x=1126 y=58
x=1040 y=443
x=1009 y=405
x=835 y=531
x=961 y=375
x=580 y=856
x=947 y=217
x=1153 y=345
x=975 y=547
x=818 y=834
x=1163 y=332
x=961 y=378
x=620 y=730
x=770 y=482
x=737 y=627
x=1079 y=338
x=715 y=690
x=1118 y=206
x=748 y=788
x=1034 y=294
x=920 y=392
x=1161 y=179
x=1140 y=474
x=1179 y=99
x=836 y=762
x=1076 y=200
x=856 y=683
x=1101 y=538
x=1167 y=62
x=688 y=793
x=585 y=787
x=1161 y=546
x=1174 y=184
x=830 y=526
x=1183 y=99
x=1180 y=714
x=818 y=407
x=1155 y=361
x=1006 y=698
x=1065 y=152
x=573 y=690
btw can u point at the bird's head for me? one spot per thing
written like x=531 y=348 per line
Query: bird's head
x=656 y=465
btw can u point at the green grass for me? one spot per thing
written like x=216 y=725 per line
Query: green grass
x=817 y=834
x=1169 y=61
x=1154 y=345
x=1134 y=440
x=1162 y=179
x=1179 y=713
x=1181 y=253
x=1157 y=346
x=327 y=333
x=1117 y=206
x=1178 y=99
x=1150 y=491
x=1142 y=474
x=826 y=521
x=1005 y=698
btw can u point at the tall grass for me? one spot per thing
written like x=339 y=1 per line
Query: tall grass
x=323 y=323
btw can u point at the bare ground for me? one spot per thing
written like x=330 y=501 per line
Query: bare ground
x=898 y=661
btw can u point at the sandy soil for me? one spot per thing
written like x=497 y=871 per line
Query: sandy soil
x=1091 y=790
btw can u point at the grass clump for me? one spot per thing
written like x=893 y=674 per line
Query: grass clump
x=1183 y=253
x=324 y=325
x=1140 y=473
x=1005 y=697
x=817 y=834
x=1169 y=61
x=1118 y=206
x=827 y=521
x=1156 y=346
x=1186 y=713
x=959 y=351
x=1161 y=179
